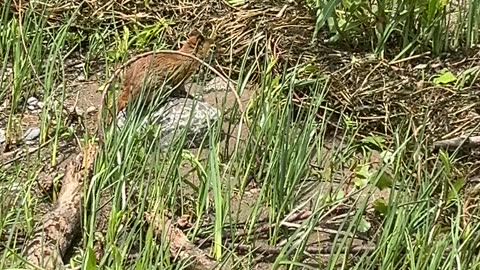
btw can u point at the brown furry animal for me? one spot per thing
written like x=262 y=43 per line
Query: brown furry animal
x=156 y=70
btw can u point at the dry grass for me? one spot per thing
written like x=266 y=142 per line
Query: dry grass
x=367 y=96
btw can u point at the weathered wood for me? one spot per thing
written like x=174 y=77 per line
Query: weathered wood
x=56 y=230
x=180 y=247
x=462 y=142
x=53 y=235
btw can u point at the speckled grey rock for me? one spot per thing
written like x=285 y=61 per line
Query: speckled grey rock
x=217 y=84
x=176 y=116
x=31 y=134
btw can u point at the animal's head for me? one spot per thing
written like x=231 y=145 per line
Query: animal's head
x=197 y=44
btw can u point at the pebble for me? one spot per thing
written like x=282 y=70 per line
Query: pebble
x=78 y=111
x=31 y=107
x=91 y=109
x=421 y=66
x=8 y=71
x=32 y=101
x=4 y=105
x=40 y=104
x=81 y=77
x=31 y=134
x=2 y=136
x=217 y=84
x=81 y=65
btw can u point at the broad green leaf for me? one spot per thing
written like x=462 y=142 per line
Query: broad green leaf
x=446 y=162
x=325 y=13
x=362 y=175
x=445 y=78
x=456 y=186
x=380 y=206
x=374 y=140
x=90 y=261
x=385 y=181
x=339 y=195
x=364 y=225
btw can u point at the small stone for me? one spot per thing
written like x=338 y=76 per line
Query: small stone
x=2 y=136
x=81 y=77
x=81 y=65
x=217 y=84
x=32 y=101
x=78 y=111
x=121 y=118
x=40 y=104
x=421 y=66
x=4 y=105
x=8 y=71
x=91 y=109
x=371 y=56
x=420 y=85
x=31 y=108
x=31 y=134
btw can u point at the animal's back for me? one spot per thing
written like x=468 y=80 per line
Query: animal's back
x=156 y=70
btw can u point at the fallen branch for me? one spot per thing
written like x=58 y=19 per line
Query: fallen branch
x=179 y=245
x=26 y=153
x=266 y=250
x=55 y=232
x=288 y=223
x=463 y=142
x=202 y=238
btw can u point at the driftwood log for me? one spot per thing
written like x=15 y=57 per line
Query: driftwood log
x=56 y=230
x=179 y=245
x=54 y=233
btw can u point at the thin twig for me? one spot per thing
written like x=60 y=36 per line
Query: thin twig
x=32 y=150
